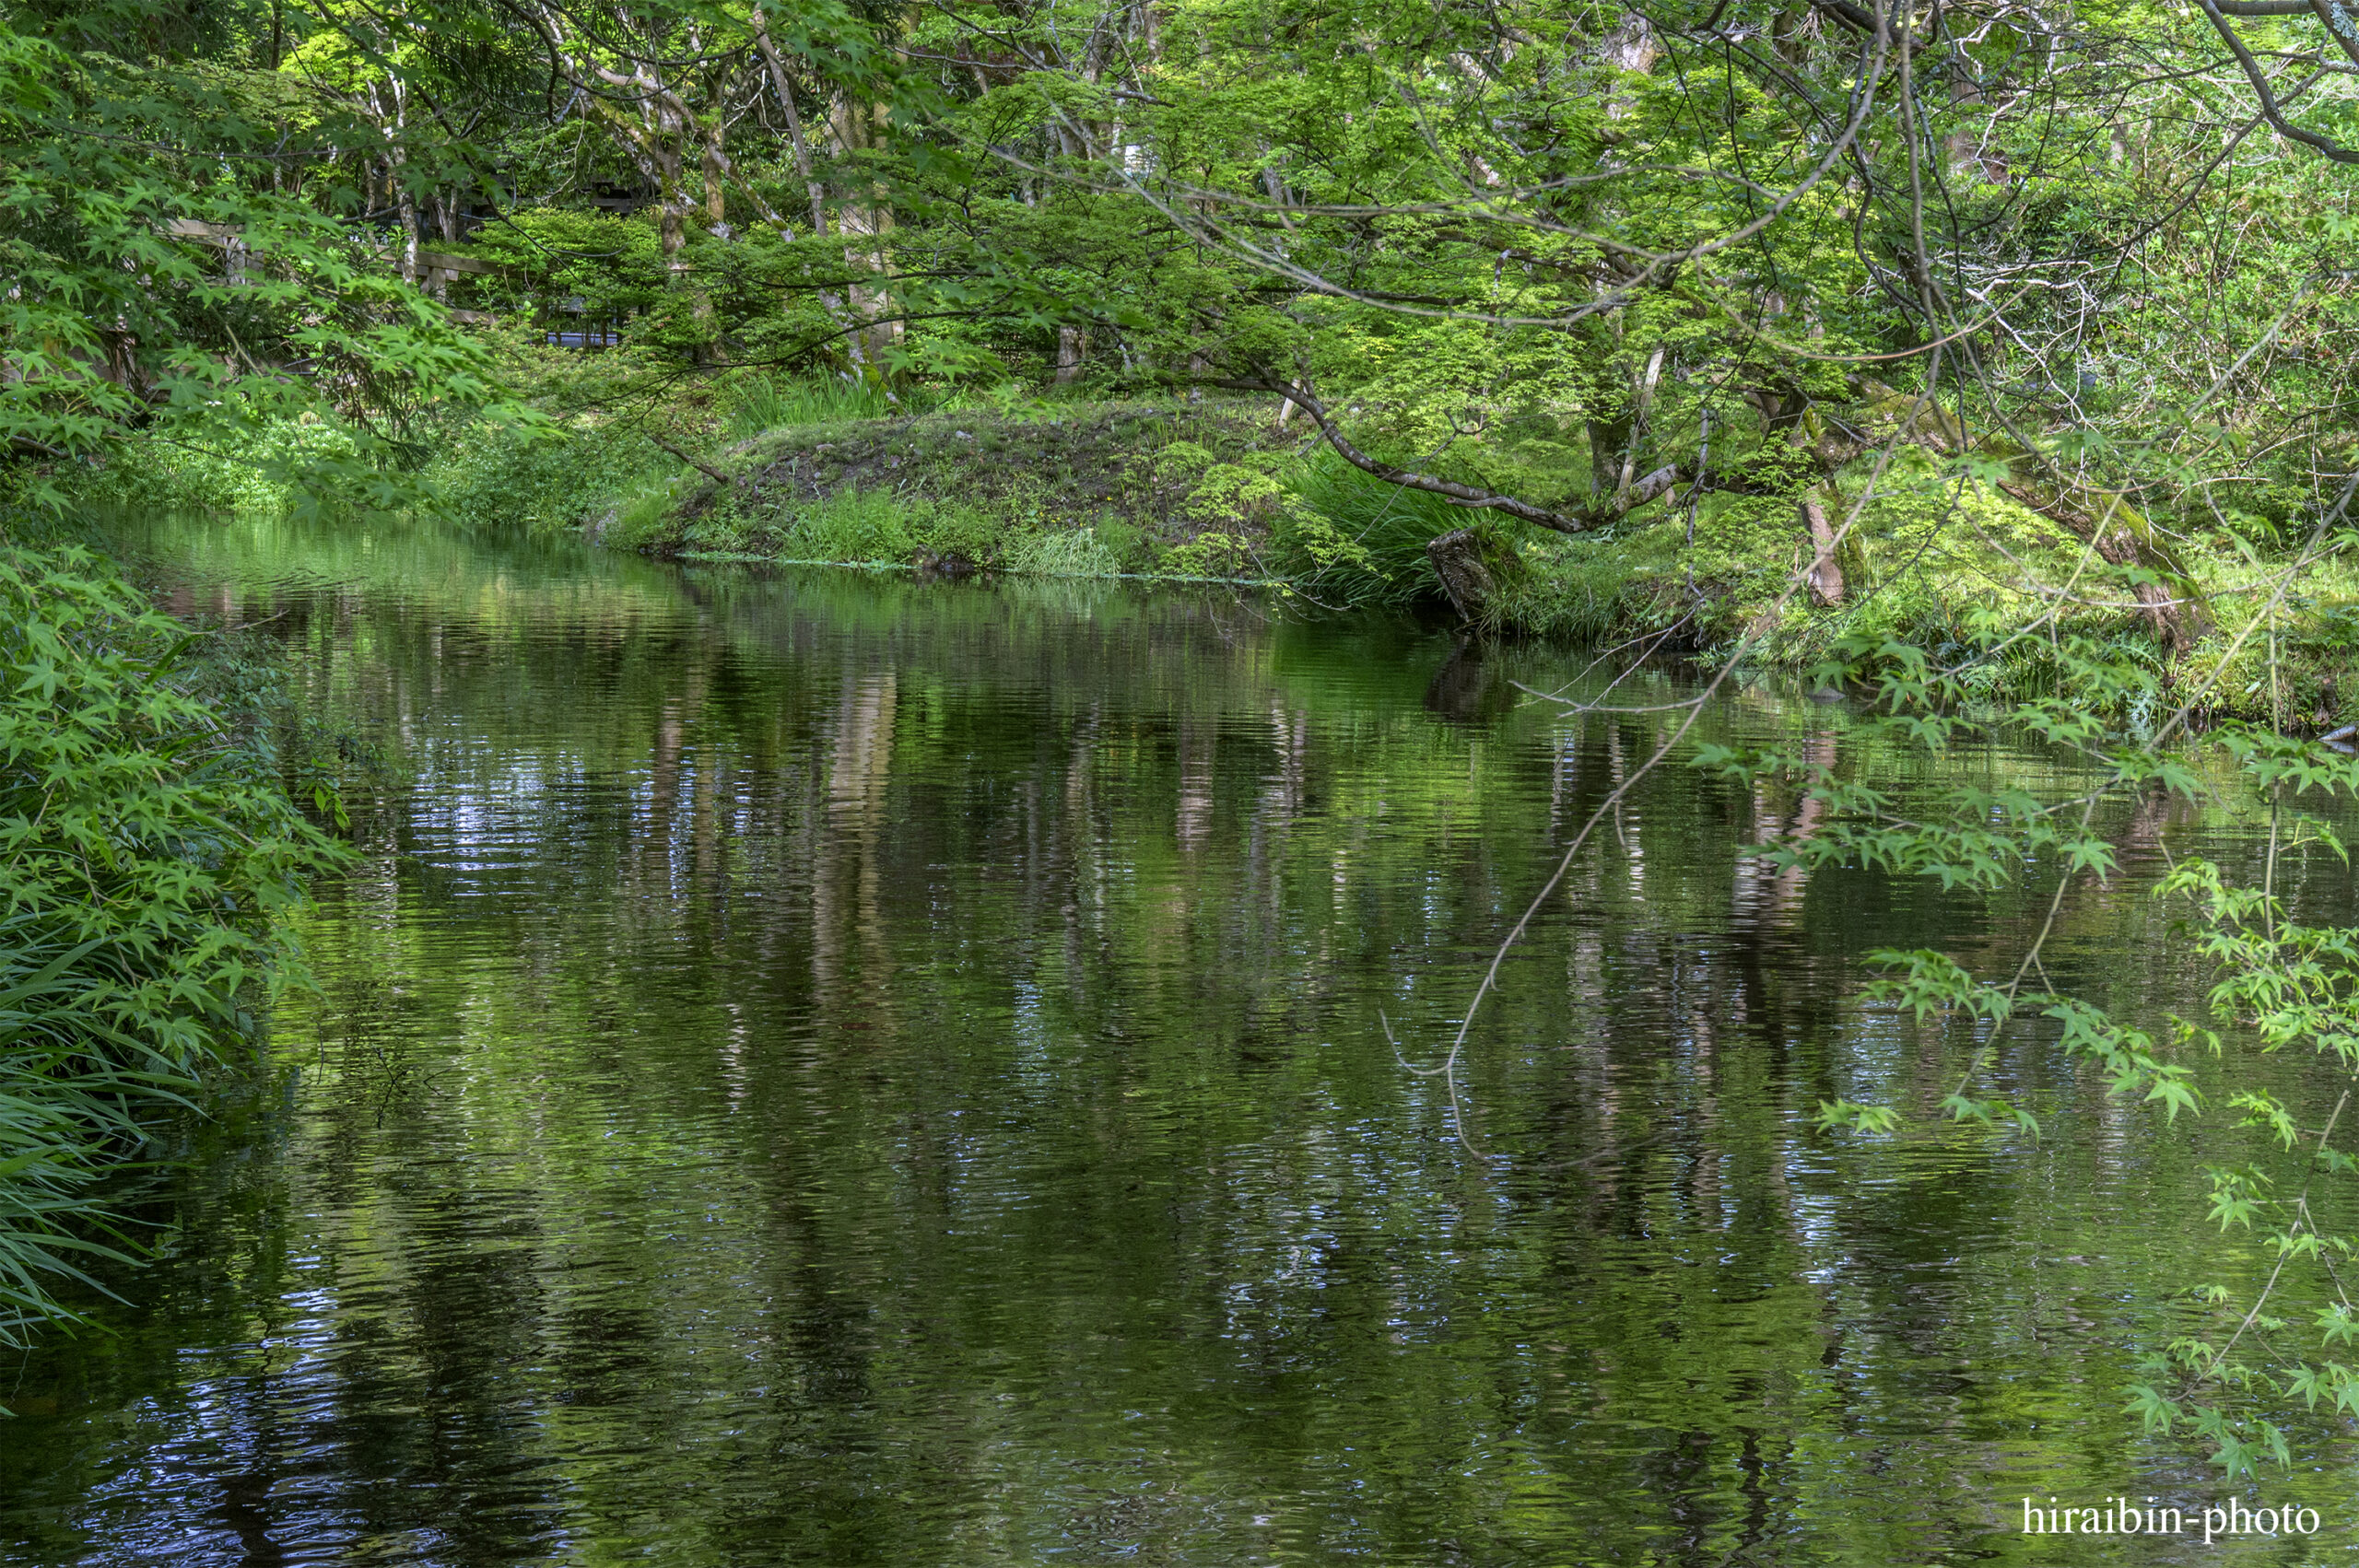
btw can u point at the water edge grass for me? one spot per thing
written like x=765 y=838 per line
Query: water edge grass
x=148 y=851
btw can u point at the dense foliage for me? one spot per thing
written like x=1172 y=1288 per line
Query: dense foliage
x=1945 y=306
x=146 y=849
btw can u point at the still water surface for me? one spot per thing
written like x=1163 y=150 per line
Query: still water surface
x=822 y=1069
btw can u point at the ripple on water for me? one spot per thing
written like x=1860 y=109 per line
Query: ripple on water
x=814 y=1068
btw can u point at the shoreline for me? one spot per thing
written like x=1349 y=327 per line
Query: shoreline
x=1218 y=495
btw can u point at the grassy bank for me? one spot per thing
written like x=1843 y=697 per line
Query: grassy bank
x=147 y=846
x=1076 y=490
x=999 y=480
x=1952 y=568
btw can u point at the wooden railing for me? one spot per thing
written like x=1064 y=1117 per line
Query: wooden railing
x=429 y=262
x=434 y=267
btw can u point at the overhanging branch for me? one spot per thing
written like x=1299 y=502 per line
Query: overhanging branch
x=1463 y=494
x=2269 y=110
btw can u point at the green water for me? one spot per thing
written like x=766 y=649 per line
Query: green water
x=822 y=1069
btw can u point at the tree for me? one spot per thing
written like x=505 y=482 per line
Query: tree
x=1737 y=248
x=174 y=280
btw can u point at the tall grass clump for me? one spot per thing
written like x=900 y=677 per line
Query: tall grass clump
x=1354 y=540
x=146 y=854
x=1076 y=552
x=777 y=403
x=856 y=528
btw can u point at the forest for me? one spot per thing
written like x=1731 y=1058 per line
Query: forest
x=1914 y=443
x=1957 y=311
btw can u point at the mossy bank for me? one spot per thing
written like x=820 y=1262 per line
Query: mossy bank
x=1076 y=490
x=1223 y=491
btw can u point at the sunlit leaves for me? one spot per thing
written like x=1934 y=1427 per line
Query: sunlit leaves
x=1928 y=983
x=2234 y=1456
x=2172 y=1091
x=2273 y=759
x=1991 y=1113
x=2337 y=1323
x=2238 y=1196
x=144 y=855
x=2280 y=984
x=2152 y=1410
x=1848 y=1116
x=2264 y=1109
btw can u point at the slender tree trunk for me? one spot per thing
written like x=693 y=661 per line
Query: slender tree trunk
x=1825 y=578
x=1073 y=348
x=863 y=227
x=716 y=178
x=396 y=162
x=798 y=143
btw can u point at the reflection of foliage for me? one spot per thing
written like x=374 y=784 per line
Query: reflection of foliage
x=2282 y=983
x=1193 y=1134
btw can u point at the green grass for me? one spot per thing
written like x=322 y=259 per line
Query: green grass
x=1075 y=551
x=1357 y=542
x=860 y=527
x=77 y=1094
x=764 y=402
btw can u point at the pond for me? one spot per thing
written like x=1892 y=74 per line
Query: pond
x=827 y=1068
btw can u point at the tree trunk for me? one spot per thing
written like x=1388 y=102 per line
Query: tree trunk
x=1609 y=439
x=1465 y=579
x=865 y=227
x=798 y=143
x=1825 y=578
x=716 y=179
x=1072 y=347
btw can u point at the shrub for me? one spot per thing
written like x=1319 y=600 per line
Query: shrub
x=500 y=476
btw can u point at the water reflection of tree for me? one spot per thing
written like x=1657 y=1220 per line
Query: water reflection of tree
x=903 y=1005
x=847 y=878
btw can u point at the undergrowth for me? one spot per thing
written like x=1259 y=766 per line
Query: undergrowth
x=762 y=466
x=148 y=850
x=763 y=403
